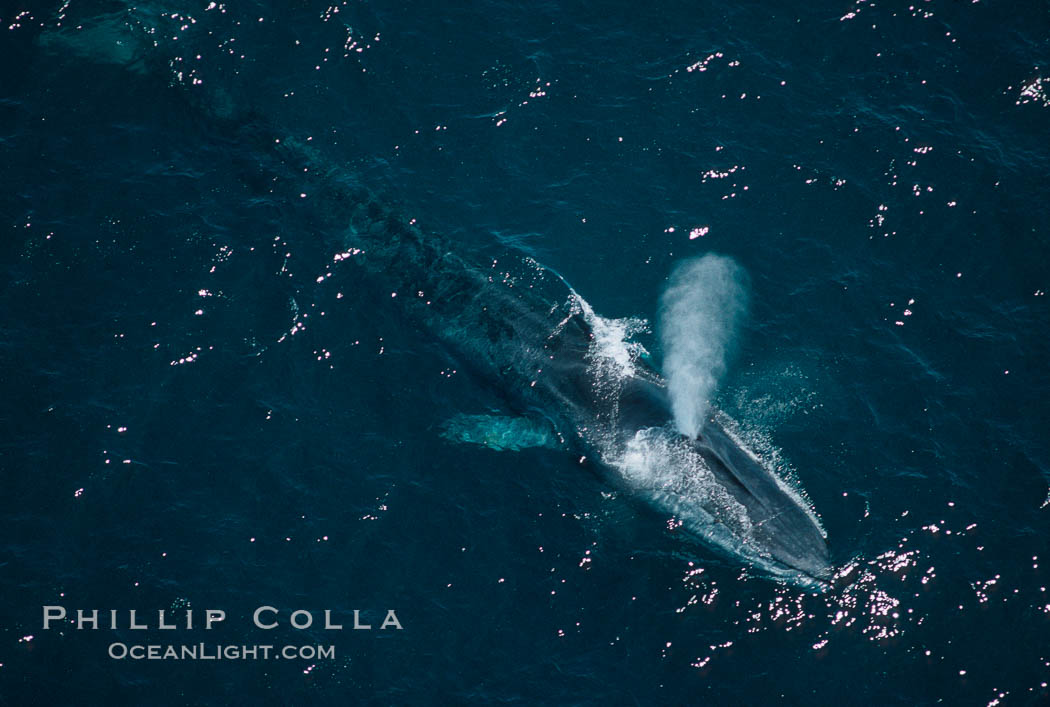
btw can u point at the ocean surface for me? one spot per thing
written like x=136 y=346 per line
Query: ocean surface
x=206 y=402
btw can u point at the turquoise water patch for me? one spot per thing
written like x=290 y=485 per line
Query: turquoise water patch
x=500 y=432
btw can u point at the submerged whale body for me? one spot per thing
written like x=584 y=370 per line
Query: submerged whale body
x=520 y=327
x=582 y=379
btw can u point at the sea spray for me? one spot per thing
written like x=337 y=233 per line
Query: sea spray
x=699 y=312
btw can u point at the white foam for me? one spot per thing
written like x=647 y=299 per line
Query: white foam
x=666 y=468
x=613 y=344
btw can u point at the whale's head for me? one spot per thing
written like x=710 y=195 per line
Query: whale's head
x=720 y=490
x=784 y=529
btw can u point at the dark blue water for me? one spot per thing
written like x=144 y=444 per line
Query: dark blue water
x=201 y=407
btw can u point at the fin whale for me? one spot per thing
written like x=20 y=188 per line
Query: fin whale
x=522 y=325
x=522 y=328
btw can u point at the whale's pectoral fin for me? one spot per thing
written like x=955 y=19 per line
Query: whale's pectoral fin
x=501 y=432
